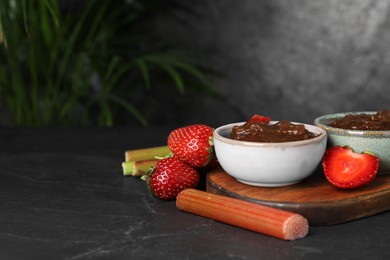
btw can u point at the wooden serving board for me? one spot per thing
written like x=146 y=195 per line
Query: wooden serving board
x=314 y=198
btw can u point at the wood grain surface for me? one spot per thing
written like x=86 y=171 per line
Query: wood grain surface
x=314 y=198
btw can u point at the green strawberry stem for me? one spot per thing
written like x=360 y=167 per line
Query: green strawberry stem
x=138 y=168
x=147 y=153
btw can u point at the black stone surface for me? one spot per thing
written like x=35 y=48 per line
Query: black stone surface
x=63 y=196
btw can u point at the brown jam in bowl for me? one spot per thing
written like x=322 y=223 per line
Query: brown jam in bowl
x=377 y=121
x=282 y=131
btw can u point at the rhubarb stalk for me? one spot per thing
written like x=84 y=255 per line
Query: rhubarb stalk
x=147 y=153
x=138 y=168
x=259 y=218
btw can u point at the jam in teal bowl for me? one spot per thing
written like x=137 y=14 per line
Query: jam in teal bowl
x=376 y=142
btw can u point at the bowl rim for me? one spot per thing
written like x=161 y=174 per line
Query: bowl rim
x=322 y=135
x=319 y=122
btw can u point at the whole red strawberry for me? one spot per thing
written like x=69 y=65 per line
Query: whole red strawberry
x=347 y=169
x=192 y=144
x=171 y=176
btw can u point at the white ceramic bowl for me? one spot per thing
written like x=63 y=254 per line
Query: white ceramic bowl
x=269 y=164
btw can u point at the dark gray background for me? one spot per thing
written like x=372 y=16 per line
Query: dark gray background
x=292 y=60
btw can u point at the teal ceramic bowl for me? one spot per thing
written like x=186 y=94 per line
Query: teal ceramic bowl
x=375 y=142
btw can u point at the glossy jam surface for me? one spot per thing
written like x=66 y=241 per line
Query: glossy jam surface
x=377 y=121
x=282 y=131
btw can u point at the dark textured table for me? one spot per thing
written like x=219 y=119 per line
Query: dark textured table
x=63 y=196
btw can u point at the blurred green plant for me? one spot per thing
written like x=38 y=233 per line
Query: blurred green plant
x=80 y=62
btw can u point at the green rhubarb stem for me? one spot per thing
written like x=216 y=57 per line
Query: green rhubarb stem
x=138 y=168
x=147 y=153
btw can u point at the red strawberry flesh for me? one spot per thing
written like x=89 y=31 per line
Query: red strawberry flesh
x=259 y=118
x=347 y=169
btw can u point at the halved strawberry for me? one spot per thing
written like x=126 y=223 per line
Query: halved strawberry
x=192 y=144
x=259 y=118
x=347 y=169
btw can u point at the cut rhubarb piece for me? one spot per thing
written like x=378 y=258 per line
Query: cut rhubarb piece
x=255 y=217
x=138 y=168
x=144 y=154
